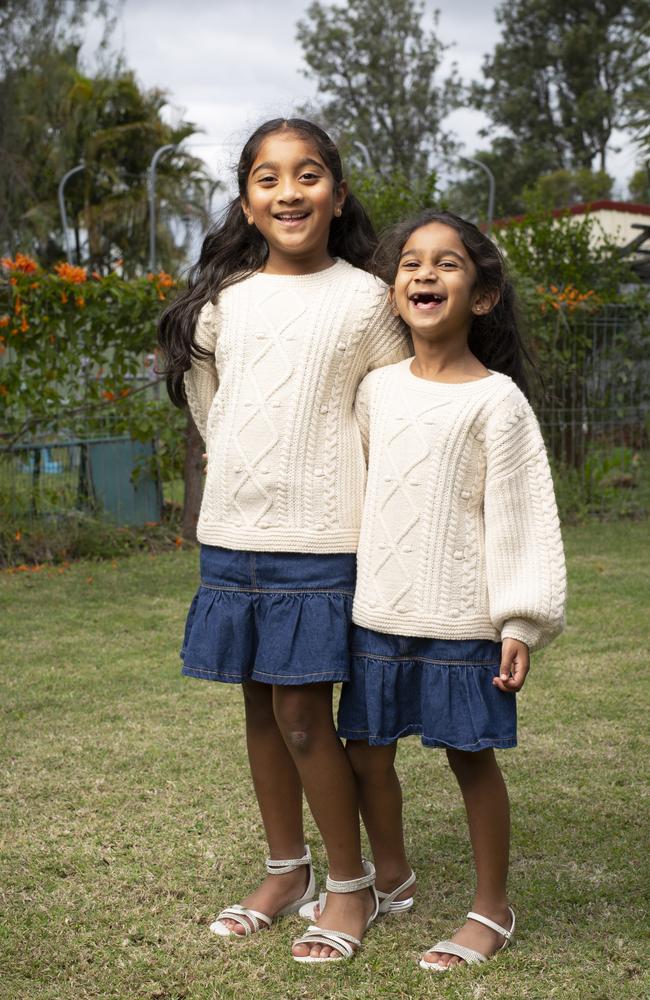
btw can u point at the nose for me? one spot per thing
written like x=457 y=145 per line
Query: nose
x=426 y=272
x=288 y=190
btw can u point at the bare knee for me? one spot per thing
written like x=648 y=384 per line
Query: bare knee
x=468 y=765
x=258 y=704
x=371 y=764
x=302 y=717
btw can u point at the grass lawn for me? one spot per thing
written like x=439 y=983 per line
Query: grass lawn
x=128 y=818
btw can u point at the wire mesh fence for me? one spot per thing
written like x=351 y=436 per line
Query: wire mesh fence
x=595 y=408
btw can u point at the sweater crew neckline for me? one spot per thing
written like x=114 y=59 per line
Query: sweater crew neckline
x=311 y=278
x=434 y=386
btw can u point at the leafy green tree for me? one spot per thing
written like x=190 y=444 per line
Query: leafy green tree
x=54 y=115
x=376 y=63
x=513 y=167
x=639 y=185
x=560 y=77
x=562 y=188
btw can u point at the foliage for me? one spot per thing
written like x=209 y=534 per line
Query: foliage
x=387 y=200
x=29 y=546
x=513 y=165
x=73 y=343
x=562 y=188
x=562 y=249
x=639 y=185
x=560 y=77
x=54 y=115
x=376 y=63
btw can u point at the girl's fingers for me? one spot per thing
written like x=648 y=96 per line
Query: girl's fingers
x=515 y=661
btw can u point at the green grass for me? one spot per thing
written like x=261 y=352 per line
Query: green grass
x=128 y=818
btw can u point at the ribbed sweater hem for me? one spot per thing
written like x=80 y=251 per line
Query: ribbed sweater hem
x=425 y=627
x=328 y=542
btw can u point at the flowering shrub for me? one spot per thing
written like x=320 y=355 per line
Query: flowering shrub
x=73 y=344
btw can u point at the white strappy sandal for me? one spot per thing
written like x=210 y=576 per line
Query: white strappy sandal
x=252 y=920
x=468 y=955
x=387 y=902
x=345 y=944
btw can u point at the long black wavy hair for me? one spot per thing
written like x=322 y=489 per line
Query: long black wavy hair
x=233 y=250
x=495 y=338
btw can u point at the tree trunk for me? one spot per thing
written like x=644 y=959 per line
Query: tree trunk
x=193 y=477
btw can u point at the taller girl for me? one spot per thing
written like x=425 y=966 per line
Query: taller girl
x=278 y=326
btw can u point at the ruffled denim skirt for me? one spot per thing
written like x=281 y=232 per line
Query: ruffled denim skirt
x=274 y=617
x=438 y=689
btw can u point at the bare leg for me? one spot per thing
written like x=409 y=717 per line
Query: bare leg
x=488 y=814
x=304 y=715
x=380 y=803
x=279 y=796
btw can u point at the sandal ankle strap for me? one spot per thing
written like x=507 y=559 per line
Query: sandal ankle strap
x=354 y=884
x=287 y=865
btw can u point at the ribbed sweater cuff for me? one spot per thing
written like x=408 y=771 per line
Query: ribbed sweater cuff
x=523 y=630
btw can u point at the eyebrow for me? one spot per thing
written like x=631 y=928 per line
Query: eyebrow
x=441 y=253
x=306 y=162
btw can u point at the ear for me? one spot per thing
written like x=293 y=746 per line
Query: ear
x=340 y=194
x=485 y=302
x=245 y=207
x=391 y=299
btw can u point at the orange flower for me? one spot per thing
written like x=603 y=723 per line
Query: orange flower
x=81 y=302
x=18 y=306
x=178 y=542
x=4 y=321
x=35 y=284
x=21 y=263
x=107 y=394
x=64 y=297
x=24 y=326
x=13 y=281
x=3 y=390
x=17 y=536
x=68 y=272
x=124 y=392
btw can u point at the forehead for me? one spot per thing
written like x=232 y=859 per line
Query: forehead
x=435 y=236
x=286 y=148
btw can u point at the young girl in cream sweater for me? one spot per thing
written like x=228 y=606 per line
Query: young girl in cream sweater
x=460 y=563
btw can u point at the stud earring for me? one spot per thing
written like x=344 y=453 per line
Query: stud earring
x=250 y=220
x=337 y=212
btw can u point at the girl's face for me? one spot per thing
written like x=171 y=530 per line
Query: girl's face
x=435 y=285
x=291 y=197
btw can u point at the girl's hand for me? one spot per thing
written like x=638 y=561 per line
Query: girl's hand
x=515 y=664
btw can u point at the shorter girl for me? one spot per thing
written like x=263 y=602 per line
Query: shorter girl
x=460 y=563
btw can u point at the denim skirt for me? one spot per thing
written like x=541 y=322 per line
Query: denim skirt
x=438 y=689
x=274 y=617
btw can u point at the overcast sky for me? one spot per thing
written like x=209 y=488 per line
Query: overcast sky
x=227 y=65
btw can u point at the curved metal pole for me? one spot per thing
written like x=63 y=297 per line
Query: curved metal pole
x=64 y=217
x=151 y=191
x=364 y=152
x=486 y=169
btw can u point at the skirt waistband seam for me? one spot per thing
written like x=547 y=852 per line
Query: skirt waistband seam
x=426 y=659
x=277 y=590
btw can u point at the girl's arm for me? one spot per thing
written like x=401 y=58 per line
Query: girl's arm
x=386 y=335
x=201 y=381
x=523 y=546
x=362 y=414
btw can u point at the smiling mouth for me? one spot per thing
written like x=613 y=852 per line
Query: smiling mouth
x=426 y=300
x=291 y=218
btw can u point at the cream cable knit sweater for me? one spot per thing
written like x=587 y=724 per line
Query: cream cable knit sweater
x=460 y=536
x=286 y=470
